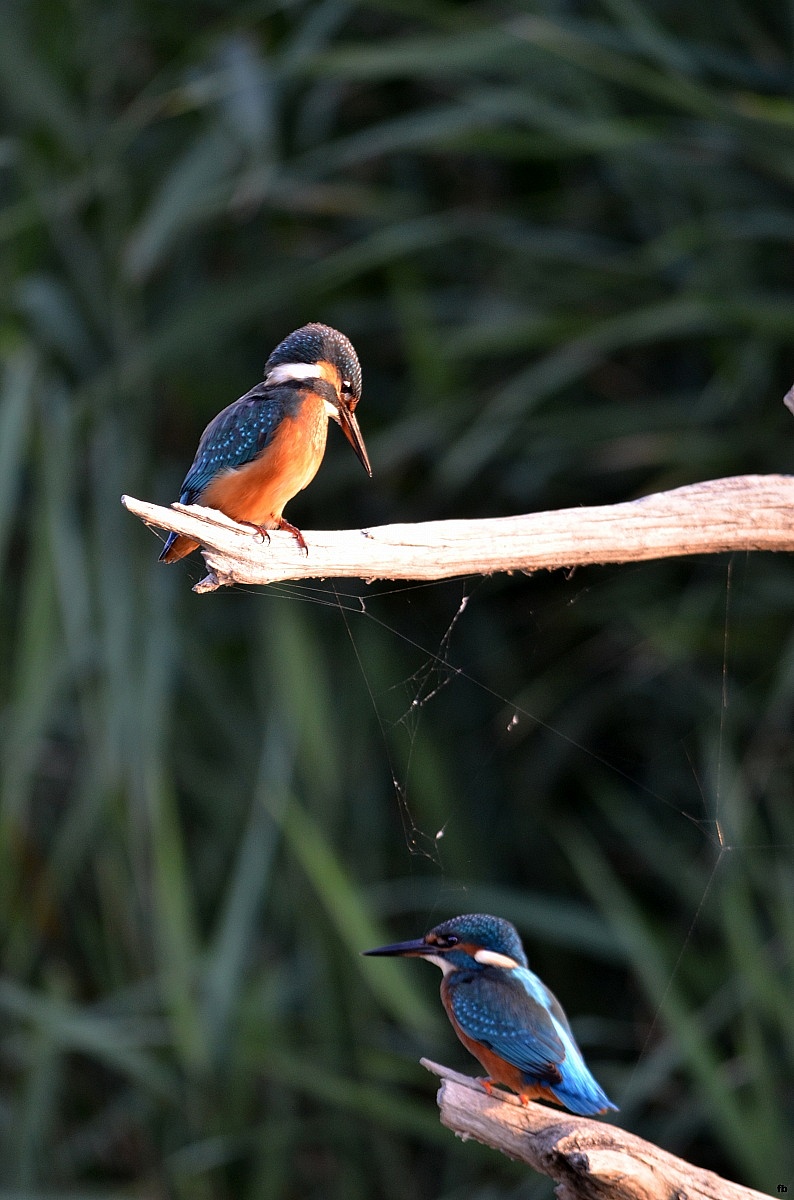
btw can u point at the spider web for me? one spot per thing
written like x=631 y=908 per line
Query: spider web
x=440 y=670
x=437 y=671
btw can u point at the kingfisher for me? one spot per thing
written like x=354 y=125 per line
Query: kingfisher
x=267 y=446
x=504 y=1015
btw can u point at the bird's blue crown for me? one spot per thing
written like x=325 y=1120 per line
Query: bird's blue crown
x=315 y=343
x=480 y=929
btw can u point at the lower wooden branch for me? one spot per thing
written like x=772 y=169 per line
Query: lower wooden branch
x=588 y=1159
x=745 y=512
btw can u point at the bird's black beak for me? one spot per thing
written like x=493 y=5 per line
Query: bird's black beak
x=417 y=947
x=350 y=429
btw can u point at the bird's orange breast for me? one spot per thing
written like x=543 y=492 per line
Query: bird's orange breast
x=258 y=491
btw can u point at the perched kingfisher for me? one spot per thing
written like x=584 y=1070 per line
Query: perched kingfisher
x=504 y=1015
x=267 y=446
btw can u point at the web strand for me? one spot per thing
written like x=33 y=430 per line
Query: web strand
x=438 y=672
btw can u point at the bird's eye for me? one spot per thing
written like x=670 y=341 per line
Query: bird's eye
x=347 y=386
x=448 y=940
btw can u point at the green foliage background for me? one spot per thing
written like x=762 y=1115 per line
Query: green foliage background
x=559 y=235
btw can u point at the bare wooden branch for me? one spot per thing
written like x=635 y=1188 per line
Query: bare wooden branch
x=588 y=1159
x=744 y=512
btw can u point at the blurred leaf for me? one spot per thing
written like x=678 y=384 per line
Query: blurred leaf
x=196 y=188
x=30 y=87
x=16 y=412
x=348 y=913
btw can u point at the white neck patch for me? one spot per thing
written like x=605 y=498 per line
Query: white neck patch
x=490 y=958
x=440 y=961
x=288 y=372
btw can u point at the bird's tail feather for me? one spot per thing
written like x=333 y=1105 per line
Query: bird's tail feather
x=177 y=545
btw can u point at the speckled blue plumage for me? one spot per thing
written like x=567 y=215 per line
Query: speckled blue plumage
x=492 y=1007
x=314 y=342
x=237 y=435
x=244 y=428
x=481 y=929
x=511 y=1012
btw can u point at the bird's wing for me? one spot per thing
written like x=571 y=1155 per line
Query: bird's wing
x=498 y=1011
x=238 y=434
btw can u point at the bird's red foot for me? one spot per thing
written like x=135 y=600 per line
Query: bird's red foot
x=260 y=529
x=296 y=533
x=487 y=1085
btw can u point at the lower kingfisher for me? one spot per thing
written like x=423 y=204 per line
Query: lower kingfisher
x=268 y=445
x=504 y=1015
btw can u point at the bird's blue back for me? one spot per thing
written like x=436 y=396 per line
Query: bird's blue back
x=237 y=435
x=514 y=1014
